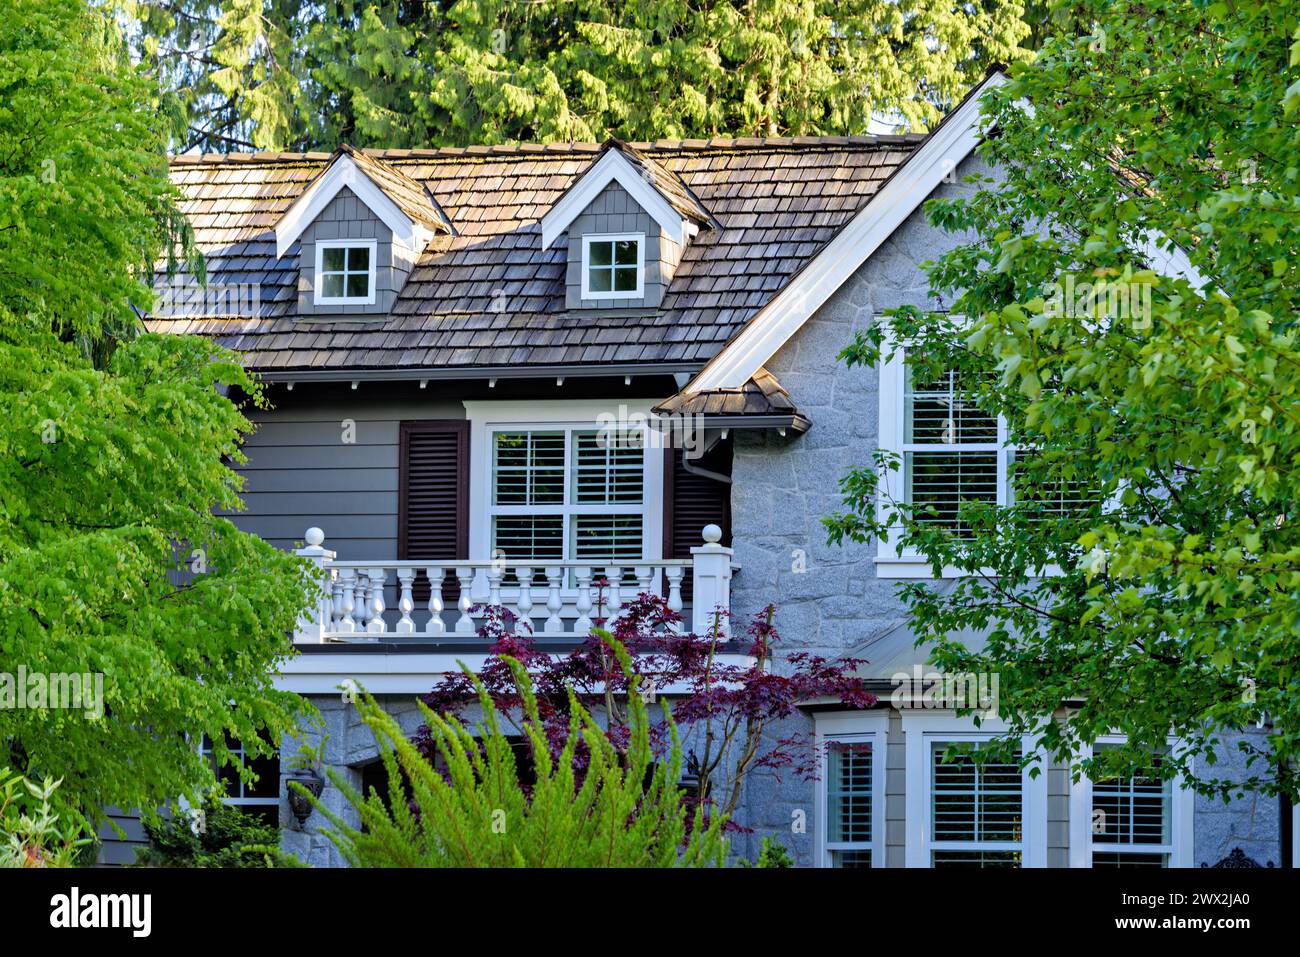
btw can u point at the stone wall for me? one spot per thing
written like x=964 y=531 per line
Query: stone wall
x=349 y=747
x=1252 y=822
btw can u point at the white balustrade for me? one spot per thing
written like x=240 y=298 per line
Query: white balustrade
x=435 y=574
x=354 y=605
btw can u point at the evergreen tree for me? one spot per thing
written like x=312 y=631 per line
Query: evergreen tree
x=292 y=74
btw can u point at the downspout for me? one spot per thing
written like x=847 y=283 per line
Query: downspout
x=705 y=473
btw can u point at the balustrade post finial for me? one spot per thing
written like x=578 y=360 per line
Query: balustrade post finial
x=710 y=583
x=315 y=622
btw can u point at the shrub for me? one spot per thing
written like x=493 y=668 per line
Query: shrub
x=771 y=854
x=619 y=809
x=222 y=836
x=30 y=832
x=727 y=708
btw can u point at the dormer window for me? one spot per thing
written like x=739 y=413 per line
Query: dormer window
x=613 y=266
x=345 y=272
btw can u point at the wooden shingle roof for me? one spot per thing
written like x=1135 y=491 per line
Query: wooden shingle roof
x=489 y=295
x=762 y=397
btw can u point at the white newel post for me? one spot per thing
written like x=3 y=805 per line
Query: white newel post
x=711 y=581
x=314 y=623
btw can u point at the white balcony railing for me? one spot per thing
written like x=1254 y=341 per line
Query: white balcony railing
x=372 y=601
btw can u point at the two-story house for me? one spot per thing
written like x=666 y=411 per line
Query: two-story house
x=445 y=333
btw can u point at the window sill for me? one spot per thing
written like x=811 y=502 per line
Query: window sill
x=894 y=567
x=913 y=568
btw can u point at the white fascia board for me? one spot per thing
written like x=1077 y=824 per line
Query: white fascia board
x=904 y=192
x=343 y=172
x=612 y=167
x=405 y=672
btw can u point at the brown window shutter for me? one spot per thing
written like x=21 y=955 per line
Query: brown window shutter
x=433 y=496
x=692 y=501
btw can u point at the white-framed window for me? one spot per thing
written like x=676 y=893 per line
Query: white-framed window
x=613 y=266
x=950 y=453
x=549 y=482
x=1127 y=822
x=345 y=272
x=850 y=827
x=261 y=798
x=567 y=494
x=964 y=813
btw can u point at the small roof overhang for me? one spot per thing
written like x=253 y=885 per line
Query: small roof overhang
x=761 y=403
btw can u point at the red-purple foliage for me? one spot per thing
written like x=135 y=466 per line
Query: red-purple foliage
x=720 y=706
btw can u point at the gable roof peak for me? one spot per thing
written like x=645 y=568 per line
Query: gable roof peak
x=661 y=193
x=403 y=204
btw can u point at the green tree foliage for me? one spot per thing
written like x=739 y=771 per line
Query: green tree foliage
x=1179 y=414
x=618 y=809
x=285 y=73
x=114 y=462
x=222 y=836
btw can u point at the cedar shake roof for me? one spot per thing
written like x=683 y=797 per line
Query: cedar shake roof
x=762 y=396
x=488 y=295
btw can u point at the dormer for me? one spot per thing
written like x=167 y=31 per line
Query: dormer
x=626 y=221
x=360 y=226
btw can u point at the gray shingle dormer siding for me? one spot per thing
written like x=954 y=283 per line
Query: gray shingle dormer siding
x=346 y=217
x=615 y=211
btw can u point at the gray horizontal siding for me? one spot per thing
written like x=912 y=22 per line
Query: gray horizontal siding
x=270 y=481
x=120 y=851
x=301 y=473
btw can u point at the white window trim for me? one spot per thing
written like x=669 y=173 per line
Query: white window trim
x=587 y=240
x=922 y=729
x=1182 y=815
x=486 y=417
x=318 y=298
x=851 y=727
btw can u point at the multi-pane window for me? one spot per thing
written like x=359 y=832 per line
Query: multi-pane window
x=568 y=494
x=1132 y=821
x=976 y=810
x=345 y=272
x=951 y=449
x=612 y=266
x=261 y=798
x=849 y=766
